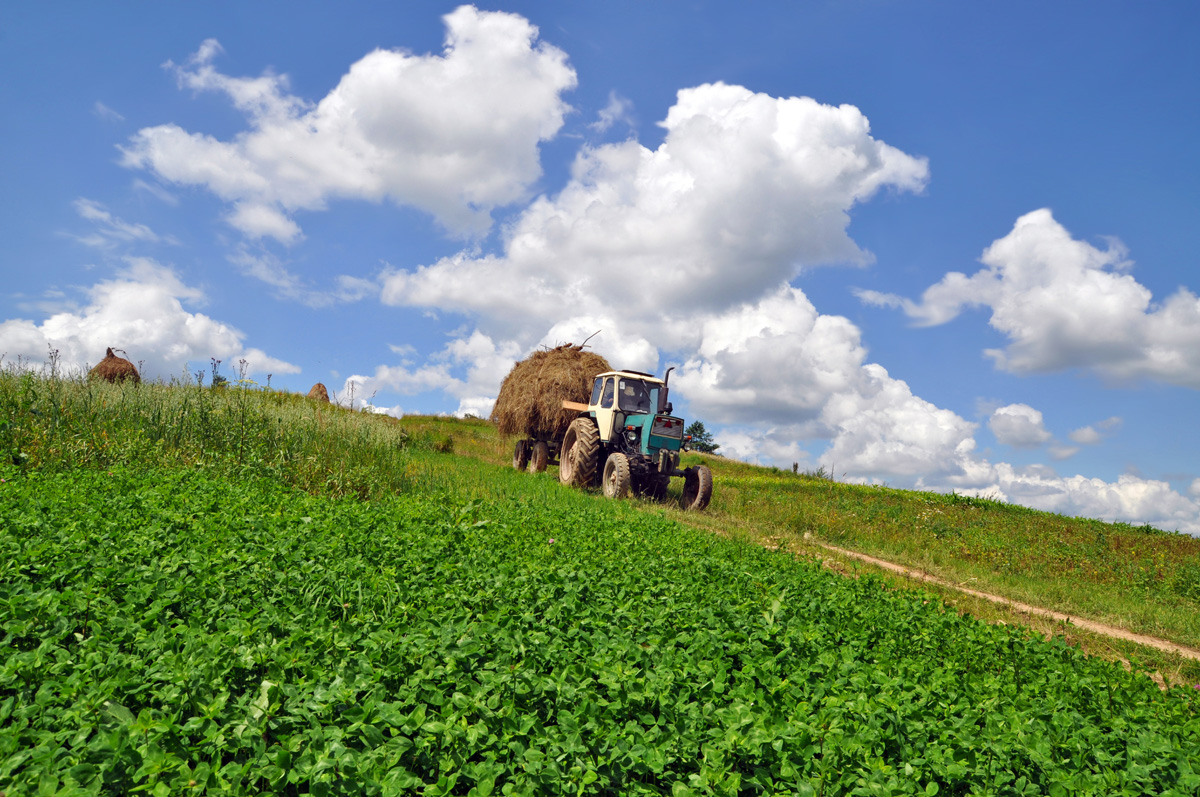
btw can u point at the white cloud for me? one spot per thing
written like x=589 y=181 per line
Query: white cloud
x=1093 y=435
x=469 y=368
x=1019 y=425
x=1131 y=499
x=619 y=109
x=258 y=220
x=1085 y=436
x=268 y=268
x=745 y=191
x=156 y=191
x=1059 y=452
x=102 y=111
x=1064 y=304
x=455 y=134
x=110 y=229
x=140 y=311
x=772 y=446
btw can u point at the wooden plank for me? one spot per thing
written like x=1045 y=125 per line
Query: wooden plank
x=574 y=405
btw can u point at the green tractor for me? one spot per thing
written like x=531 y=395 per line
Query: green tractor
x=627 y=440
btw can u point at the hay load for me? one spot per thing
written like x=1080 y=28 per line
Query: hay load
x=319 y=393
x=115 y=369
x=531 y=396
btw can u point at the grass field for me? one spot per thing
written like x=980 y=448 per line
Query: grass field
x=238 y=591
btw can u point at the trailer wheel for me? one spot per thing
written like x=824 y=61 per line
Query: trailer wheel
x=521 y=455
x=697 y=488
x=578 y=454
x=538 y=457
x=616 y=476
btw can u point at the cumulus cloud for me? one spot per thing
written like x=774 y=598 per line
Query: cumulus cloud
x=1130 y=499
x=141 y=311
x=455 y=134
x=745 y=190
x=780 y=364
x=1019 y=425
x=468 y=368
x=1064 y=303
x=1092 y=435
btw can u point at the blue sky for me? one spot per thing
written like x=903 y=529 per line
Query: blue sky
x=938 y=245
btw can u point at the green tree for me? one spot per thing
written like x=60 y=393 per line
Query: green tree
x=702 y=439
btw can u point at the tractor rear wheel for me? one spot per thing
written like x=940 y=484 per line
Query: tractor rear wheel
x=538 y=457
x=697 y=488
x=521 y=455
x=578 y=455
x=616 y=476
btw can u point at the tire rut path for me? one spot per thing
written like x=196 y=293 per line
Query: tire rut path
x=1025 y=608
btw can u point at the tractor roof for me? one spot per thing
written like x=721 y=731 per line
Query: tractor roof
x=634 y=375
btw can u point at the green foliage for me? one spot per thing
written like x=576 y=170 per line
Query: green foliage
x=702 y=439
x=193 y=598
x=169 y=630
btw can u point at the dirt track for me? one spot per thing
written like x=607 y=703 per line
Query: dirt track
x=1089 y=625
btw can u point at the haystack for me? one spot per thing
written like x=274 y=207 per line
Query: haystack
x=319 y=393
x=531 y=396
x=115 y=369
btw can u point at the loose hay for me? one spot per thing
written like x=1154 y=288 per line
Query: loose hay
x=319 y=393
x=115 y=369
x=531 y=396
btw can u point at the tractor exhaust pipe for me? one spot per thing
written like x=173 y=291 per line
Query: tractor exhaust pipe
x=664 y=406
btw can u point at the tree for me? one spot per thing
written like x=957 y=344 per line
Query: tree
x=702 y=439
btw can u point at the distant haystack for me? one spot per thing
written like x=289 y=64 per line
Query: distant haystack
x=531 y=396
x=319 y=393
x=115 y=369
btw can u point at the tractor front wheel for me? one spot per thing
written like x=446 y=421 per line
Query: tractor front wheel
x=578 y=454
x=521 y=455
x=616 y=476
x=697 y=488
x=538 y=457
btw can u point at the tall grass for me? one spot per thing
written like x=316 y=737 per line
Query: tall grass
x=52 y=422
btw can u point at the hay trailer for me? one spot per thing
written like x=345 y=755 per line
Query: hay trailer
x=626 y=438
x=529 y=404
x=535 y=455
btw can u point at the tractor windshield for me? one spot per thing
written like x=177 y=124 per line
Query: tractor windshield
x=636 y=396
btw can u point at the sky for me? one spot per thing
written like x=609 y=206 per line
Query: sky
x=930 y=245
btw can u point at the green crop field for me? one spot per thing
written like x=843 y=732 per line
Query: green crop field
x=241 y=592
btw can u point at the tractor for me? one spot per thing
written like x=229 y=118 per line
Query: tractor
x=627 y=440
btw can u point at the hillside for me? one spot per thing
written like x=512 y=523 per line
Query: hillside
x=1136 y=578
x=241 y=591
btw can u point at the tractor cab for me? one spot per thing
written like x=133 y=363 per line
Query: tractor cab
x=632 y=413
x=621 y=396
